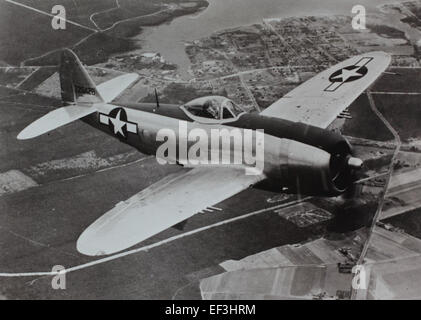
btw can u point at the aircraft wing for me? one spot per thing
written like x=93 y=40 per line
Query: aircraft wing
x=162 y=205
x=321 y=99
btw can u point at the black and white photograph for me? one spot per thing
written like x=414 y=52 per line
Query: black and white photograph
x=223 y=150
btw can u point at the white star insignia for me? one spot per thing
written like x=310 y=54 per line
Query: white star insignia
x=346 y=74
x=118 y=124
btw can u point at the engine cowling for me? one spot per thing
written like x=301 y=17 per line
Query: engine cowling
x=305 y=158
x=309 y=170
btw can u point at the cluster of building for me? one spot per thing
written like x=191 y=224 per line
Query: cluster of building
x=256 y=65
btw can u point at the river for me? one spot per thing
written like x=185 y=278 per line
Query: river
x=169 y=39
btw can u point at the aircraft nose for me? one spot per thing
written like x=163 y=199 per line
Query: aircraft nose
x=355 y=163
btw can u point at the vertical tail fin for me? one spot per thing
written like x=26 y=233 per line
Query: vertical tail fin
x=77 y=86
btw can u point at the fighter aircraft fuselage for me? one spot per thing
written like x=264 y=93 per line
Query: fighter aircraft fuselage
x=297 y=156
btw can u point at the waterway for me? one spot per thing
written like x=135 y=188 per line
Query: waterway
x=169 y=39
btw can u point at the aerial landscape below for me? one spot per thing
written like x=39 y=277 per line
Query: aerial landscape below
x=259 y=243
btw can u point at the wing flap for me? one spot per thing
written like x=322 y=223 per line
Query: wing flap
x=160 y=206
x=321 y=99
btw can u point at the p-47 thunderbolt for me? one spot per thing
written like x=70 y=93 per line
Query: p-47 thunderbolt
x=299 y=153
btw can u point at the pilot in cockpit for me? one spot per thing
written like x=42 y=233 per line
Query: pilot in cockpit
x=211 y=107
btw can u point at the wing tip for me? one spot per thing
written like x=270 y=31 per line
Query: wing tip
x=90 y=244
x=25 y=134
x=87 y=247
x=380 y=54
x=31 y=131
x=21 y=136
x=132 y=76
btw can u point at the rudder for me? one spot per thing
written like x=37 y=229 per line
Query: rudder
x=76 y=85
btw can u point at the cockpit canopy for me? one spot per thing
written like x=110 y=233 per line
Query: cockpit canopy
x=213 y=108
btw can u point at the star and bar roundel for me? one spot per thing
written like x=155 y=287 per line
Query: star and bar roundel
x=117 y=122
x=348 y=74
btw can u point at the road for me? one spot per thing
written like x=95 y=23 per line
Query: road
x=398 y=142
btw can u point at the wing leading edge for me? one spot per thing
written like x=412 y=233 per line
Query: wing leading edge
x=321 y=99
x=160 y=206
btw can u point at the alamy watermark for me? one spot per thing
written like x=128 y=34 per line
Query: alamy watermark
x=59 y=19
x=359 y=18
x=359 y=281
x=224 y=146
x=59 y=279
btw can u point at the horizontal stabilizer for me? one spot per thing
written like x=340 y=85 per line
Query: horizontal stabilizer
x=55 y=119
x=110 y=90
